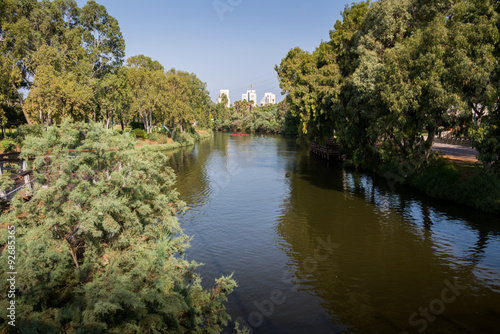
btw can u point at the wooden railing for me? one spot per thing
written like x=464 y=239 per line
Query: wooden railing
x=22 y=179
x=330 y=151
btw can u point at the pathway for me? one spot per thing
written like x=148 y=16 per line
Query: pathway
x=456 y=152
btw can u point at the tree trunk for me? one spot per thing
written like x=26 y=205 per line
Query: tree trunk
x=151 y=121
x=430 y=139
x=21 y=103
x=49 y=118
x=107 y=119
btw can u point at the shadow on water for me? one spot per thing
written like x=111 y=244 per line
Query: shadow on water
x=263 y=208
x=396 y=251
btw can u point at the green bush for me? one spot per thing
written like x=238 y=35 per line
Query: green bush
x=437 y=178
x=481 y=190
x=123 y=270
x=140 y=133
x=155 y=136
x=8 y=145
x=29 y=130
x=440 y=179
x=137 y=125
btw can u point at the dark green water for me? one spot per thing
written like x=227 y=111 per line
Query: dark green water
x=319 y=249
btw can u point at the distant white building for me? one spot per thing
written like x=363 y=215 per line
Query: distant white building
x=219 y=99
x=250 y=95
x=269 y=99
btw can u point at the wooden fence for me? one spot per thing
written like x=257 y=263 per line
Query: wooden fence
x=22 y=179
x=330 y=151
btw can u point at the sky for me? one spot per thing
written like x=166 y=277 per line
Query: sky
x=229 y=44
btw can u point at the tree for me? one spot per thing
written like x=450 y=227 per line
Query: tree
x=147 y=84
x=102 y=39
x=103 y=43
x=15 y=47
x=195 y=95
x=342 y=37
x=312 y=82
x=61 y=88
x=178 y=111
x=114 y=97
x=102 y=248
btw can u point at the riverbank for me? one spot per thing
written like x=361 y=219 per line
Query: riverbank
x=460 y=181
x=161 y=142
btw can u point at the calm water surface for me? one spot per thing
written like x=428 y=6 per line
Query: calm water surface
x=320 y=249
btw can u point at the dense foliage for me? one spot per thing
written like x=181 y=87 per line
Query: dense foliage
x=396 y=72
x=70 y=61
x=270 y=119
x=100 y=248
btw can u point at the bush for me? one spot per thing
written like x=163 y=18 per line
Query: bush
x=139 y=133
x=26 y=130
x=154 y=136
x=8 y=145
x=102 y=248
x=136 y=125
x=437 y=179
x=440 y=179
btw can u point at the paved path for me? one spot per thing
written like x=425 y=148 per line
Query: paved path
x=456 y=151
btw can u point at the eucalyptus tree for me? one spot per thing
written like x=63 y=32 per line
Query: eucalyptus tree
x=61 y=88
x=103 y=43
x=147 y=82
x=16 y=43
x=178 y=111
x=197 y=96
x=114 y=96
x=81 y=36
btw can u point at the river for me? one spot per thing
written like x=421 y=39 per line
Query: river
x=319 y=249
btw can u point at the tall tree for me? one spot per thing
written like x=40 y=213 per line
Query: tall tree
x=102 y=39
x=147 y=85
x=114 y=97
x=104 y=45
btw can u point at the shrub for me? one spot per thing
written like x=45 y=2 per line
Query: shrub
x=102 y=248
x=26 y=130
x=437 y=179
x=440 y=179
x=154 y=136
x=8 y=145
x=139 y=133
x=137 y=125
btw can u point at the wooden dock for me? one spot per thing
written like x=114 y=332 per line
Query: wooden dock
x=330 y=151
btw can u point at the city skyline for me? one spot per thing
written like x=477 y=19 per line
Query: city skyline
x=204 y=37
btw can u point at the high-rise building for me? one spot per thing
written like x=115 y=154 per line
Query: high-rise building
x=226 y=92
x=250 y=95
x=269 y=98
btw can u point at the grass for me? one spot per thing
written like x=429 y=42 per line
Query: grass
x=161 y=141
x=464 y=167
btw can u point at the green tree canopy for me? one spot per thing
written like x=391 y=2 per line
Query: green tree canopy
x=102 y=250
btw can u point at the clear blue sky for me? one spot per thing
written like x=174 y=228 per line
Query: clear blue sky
x=226 y=49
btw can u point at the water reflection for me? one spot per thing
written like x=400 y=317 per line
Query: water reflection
x=341 y=250
x=396 y=251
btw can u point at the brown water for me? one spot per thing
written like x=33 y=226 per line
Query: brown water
x=320 y=249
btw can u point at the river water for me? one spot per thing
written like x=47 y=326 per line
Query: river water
x=319 y=249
